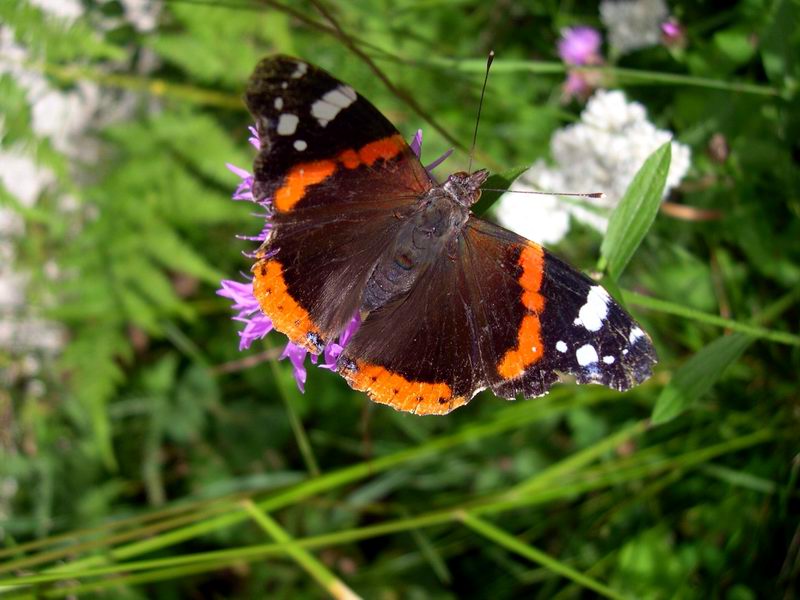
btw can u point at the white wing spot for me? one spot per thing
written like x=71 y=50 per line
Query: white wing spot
x=625 y=351
x=609 y=360
x=300 y=145
x=586 y=355
x=561 y=346
x=285 y=85
x=635 y=334
x=594 y=312
x=300 y=70
x=287 y=124
x=278 y=103
x=326 y=108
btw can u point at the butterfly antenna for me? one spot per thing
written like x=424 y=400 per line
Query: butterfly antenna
x=574 y=194
x=480 y=105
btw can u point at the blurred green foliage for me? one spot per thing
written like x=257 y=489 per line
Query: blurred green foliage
x=150 y=423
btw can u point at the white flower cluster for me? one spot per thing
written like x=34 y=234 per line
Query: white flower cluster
x=601 y=153
x=633 y=24
x=66 y=119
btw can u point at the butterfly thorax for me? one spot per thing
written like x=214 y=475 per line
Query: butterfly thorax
x=465 y=188
x=428 y=231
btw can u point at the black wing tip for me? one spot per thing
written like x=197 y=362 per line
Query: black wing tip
x=634 y=368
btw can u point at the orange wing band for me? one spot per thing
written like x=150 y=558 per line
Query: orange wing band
x=288 y=317
x=307 y=174
x=529 y=337
x=298 y=179
x=385 y=387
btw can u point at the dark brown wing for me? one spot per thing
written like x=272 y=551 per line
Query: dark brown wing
x=338 y=175
x=503 y=314
x=547 y=319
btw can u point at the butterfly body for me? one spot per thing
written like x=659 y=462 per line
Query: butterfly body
x=450 y=304
x=431 y=229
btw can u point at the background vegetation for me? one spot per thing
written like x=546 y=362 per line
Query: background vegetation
x=150 y=459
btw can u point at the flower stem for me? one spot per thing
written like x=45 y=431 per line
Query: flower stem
x=632 y=76
x=297 y=425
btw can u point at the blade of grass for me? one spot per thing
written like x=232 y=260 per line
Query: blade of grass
x=504 y=539
x=589 y=481
x=578 y=460
x=70 y=536
x=510 y=418
x=319 y=572
x=635 y=213
x=154 y=87
x=71 y=549
x=430 y=553
x=741 y=479
x=680 y=310
x=697 y=376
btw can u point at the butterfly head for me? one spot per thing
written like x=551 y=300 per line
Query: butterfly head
x=465 y=188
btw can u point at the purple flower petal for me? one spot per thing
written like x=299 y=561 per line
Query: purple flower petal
x=238 y=171
x=254 y=139
x=579 y=45
x=257 y=324
x=439 y=161
x=297 y=356
x=416 y=143
x=673 y=34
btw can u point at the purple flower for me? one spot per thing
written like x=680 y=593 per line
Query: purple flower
x=579 y=46
x=673 y=34
x=257 y=324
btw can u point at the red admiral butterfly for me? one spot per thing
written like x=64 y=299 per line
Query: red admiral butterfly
x=450 y=304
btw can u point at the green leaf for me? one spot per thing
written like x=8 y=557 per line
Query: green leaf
x=498 y=181
x=92 y=360
x=636 y=211
x=779 y=43
x=54 y=38
x=735 y=44
x=172 y=252
x=698 y=375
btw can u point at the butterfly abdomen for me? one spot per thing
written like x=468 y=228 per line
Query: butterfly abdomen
x=428 y=231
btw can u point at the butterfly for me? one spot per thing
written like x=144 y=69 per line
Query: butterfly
x=450 y=304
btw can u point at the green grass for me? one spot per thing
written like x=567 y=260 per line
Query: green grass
x=157 y=464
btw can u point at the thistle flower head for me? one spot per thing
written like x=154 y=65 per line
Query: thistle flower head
x=579 y=45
